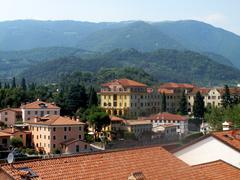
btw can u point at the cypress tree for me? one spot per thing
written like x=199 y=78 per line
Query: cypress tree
x=226 y=98
x=198 y=106
x=13 y=82
x=164 y=103
x=23 y=84
x=183 y=109
x=93 y=99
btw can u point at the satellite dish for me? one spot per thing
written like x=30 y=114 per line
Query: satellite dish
x=10 y=158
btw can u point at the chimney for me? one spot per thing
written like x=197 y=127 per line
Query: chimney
x=77 y=119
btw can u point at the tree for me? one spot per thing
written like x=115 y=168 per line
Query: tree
x=76 y=98
x=93 y=99
x=226 y=98
x=14 y=82
x=198 y=106
x=164 y=103
x=183 y=105
x=98 y=118
x=16 y=142
x=23 y=84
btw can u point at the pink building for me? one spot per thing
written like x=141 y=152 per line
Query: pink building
x=56 y=132
x=9 y=116
x=38 y=108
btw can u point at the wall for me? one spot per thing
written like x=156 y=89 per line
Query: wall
x=207 y=150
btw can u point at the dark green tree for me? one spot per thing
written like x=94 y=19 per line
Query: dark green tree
x=198 y=106
x=183 y=106
x=76 y=98
x=0 y=85
x=93 y=99
x=14 y=82
x=16 y=142
x=226 y=97
x=164 y=103
x=23 y=84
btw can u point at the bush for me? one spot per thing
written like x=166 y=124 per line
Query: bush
x=16 y=142
x=89 y=138
x=56 y=151
x=30 y=151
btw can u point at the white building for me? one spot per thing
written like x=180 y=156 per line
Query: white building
x=223 y=145
x=172 y=119
x=39 y=109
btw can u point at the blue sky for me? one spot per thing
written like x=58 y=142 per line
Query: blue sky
x=220 y=13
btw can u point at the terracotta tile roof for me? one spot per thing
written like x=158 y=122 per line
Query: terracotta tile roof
x=10 y=130
x=152 y=162
x=219 y=170
x=172 y=85
x=167 y=116
x=231 y=138
x=4 y=134
x=115 y=118
x=125 y=83
x=137 y=122
x=202 y=90
x=166 y=91
x=54 y=120
x=39 y=105
x=11 y=109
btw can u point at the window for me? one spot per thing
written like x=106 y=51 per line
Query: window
x=6 y=119
x=80 y=128
x=77 y=148
x=28 y=112
x=54 y=145
x=48 y=137
x=85 y=146
x=37 y=136
x=6 y=113
x=55 y=112
x=54 y=137
x=36 y=112
x=44 y=144
x=80 y=137
x=37 y=144
x=40 y=136
x=48 y=112
x=54 y=129
x=42 y=113
x=69 y=129
x=65 y=137
x=65 y=128
x=44 y=136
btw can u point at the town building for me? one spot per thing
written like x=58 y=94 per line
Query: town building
x=4 y=140
x=38 y=108
x=165 y=131
x=52 y=132
x=223 y=145
x=124 y=97
x=167 y=118
x=135 y=163
x=9 y=116
x=173 y=93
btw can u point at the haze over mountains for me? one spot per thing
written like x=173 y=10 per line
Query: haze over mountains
x=28 y=42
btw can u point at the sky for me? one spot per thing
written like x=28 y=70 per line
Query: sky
x=220 y=13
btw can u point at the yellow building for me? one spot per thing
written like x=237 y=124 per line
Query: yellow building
x=124 y=97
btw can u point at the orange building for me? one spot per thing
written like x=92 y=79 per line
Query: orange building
x=9 y=116
x=56 y=132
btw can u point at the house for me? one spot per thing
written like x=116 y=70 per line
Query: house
x=38 y=108
x=173 y=92
x=9 y=116
x=167 y=118
x=4 y=140
x=134 y=163
x=224 y=145
x=52 y=132
x=138 y=127
x=125 y=97
x=22 y=133
x=167 y=131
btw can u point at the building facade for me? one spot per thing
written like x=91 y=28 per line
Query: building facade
x=9 y=116
x=39 y=109
x=53 y=132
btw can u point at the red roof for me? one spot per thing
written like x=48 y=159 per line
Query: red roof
x=151 y=162
x=168 y=116
x=11 y=109
x=172 y=85
x=115 y=118
x=39 y=105
x=125 y=83
x=231 y=138
x=219 y=170
x=202 y=90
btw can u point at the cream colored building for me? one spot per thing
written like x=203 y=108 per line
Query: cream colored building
x=124 y=97
x=137 y=127
x=56 y=132
x=38 y=108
